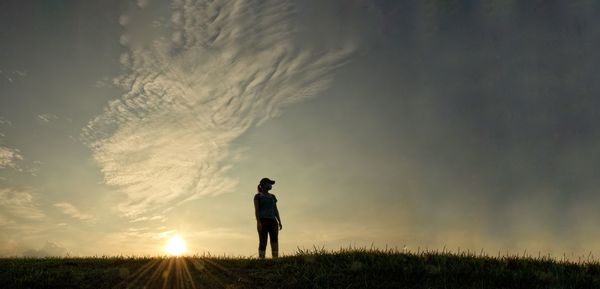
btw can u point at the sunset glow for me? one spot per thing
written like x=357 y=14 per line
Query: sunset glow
x=144 y=127
x=175 y=246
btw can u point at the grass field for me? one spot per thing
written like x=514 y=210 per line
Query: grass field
x=317 y=268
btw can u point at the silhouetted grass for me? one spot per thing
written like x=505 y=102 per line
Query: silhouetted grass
x=317 y=268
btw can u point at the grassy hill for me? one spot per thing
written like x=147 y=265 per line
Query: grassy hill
x=346 y=268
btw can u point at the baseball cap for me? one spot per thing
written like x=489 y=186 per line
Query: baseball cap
x=267 y=180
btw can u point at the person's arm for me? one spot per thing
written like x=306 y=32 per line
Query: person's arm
x=277 y=215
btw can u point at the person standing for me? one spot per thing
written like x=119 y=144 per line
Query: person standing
x=268 y=221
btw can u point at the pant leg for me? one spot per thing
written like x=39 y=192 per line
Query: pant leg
x=262 y=238
x=273 y=231
x=274 y=237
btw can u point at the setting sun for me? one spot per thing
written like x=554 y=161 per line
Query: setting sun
x=175 y=246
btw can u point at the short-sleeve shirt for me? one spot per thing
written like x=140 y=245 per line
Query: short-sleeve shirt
x=266 y=205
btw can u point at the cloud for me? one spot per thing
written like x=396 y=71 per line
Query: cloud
x=5 y=121
x=226 y=65
x=142 y=3
x=153 y=218
x=18 y=206
x=11 y=76
x=22 y=221
x=70 y=210
x=9 y=157
x=124 y=40
x=47 y=117
x=104 y=82
x=49 y=249
x=12 y=157
x=123 y=20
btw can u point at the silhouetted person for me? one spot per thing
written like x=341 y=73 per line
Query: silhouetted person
x=267 y=218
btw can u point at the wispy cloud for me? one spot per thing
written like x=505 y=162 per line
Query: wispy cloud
x=70 y=210
x=13 y=159
x=49 y=249
x=5 y=121
x=11 y=76
x=142 y=3
x=47 y=117
x=153 y=218
x=227 y=65
x=22 y=221
x=9 y=157
x=18 y=206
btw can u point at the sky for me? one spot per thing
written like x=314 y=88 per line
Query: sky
x=437 y=125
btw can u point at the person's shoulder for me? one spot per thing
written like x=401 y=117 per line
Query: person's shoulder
x=256 y=196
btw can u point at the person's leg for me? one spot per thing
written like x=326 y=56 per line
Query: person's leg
x=274 y=237
x=262 y=240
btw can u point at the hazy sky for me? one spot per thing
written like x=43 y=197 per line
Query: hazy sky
x=386 y=123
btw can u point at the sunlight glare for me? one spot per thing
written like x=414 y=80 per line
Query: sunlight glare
x=175 y=246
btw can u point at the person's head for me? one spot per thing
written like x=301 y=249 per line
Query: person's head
x=265 y=185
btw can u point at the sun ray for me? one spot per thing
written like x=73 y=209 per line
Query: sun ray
x=206 y=272
x=187 y=274
x=178 y=273
x=138 y=274
x=167 y=273
x=155 y=275
x=227 y=271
